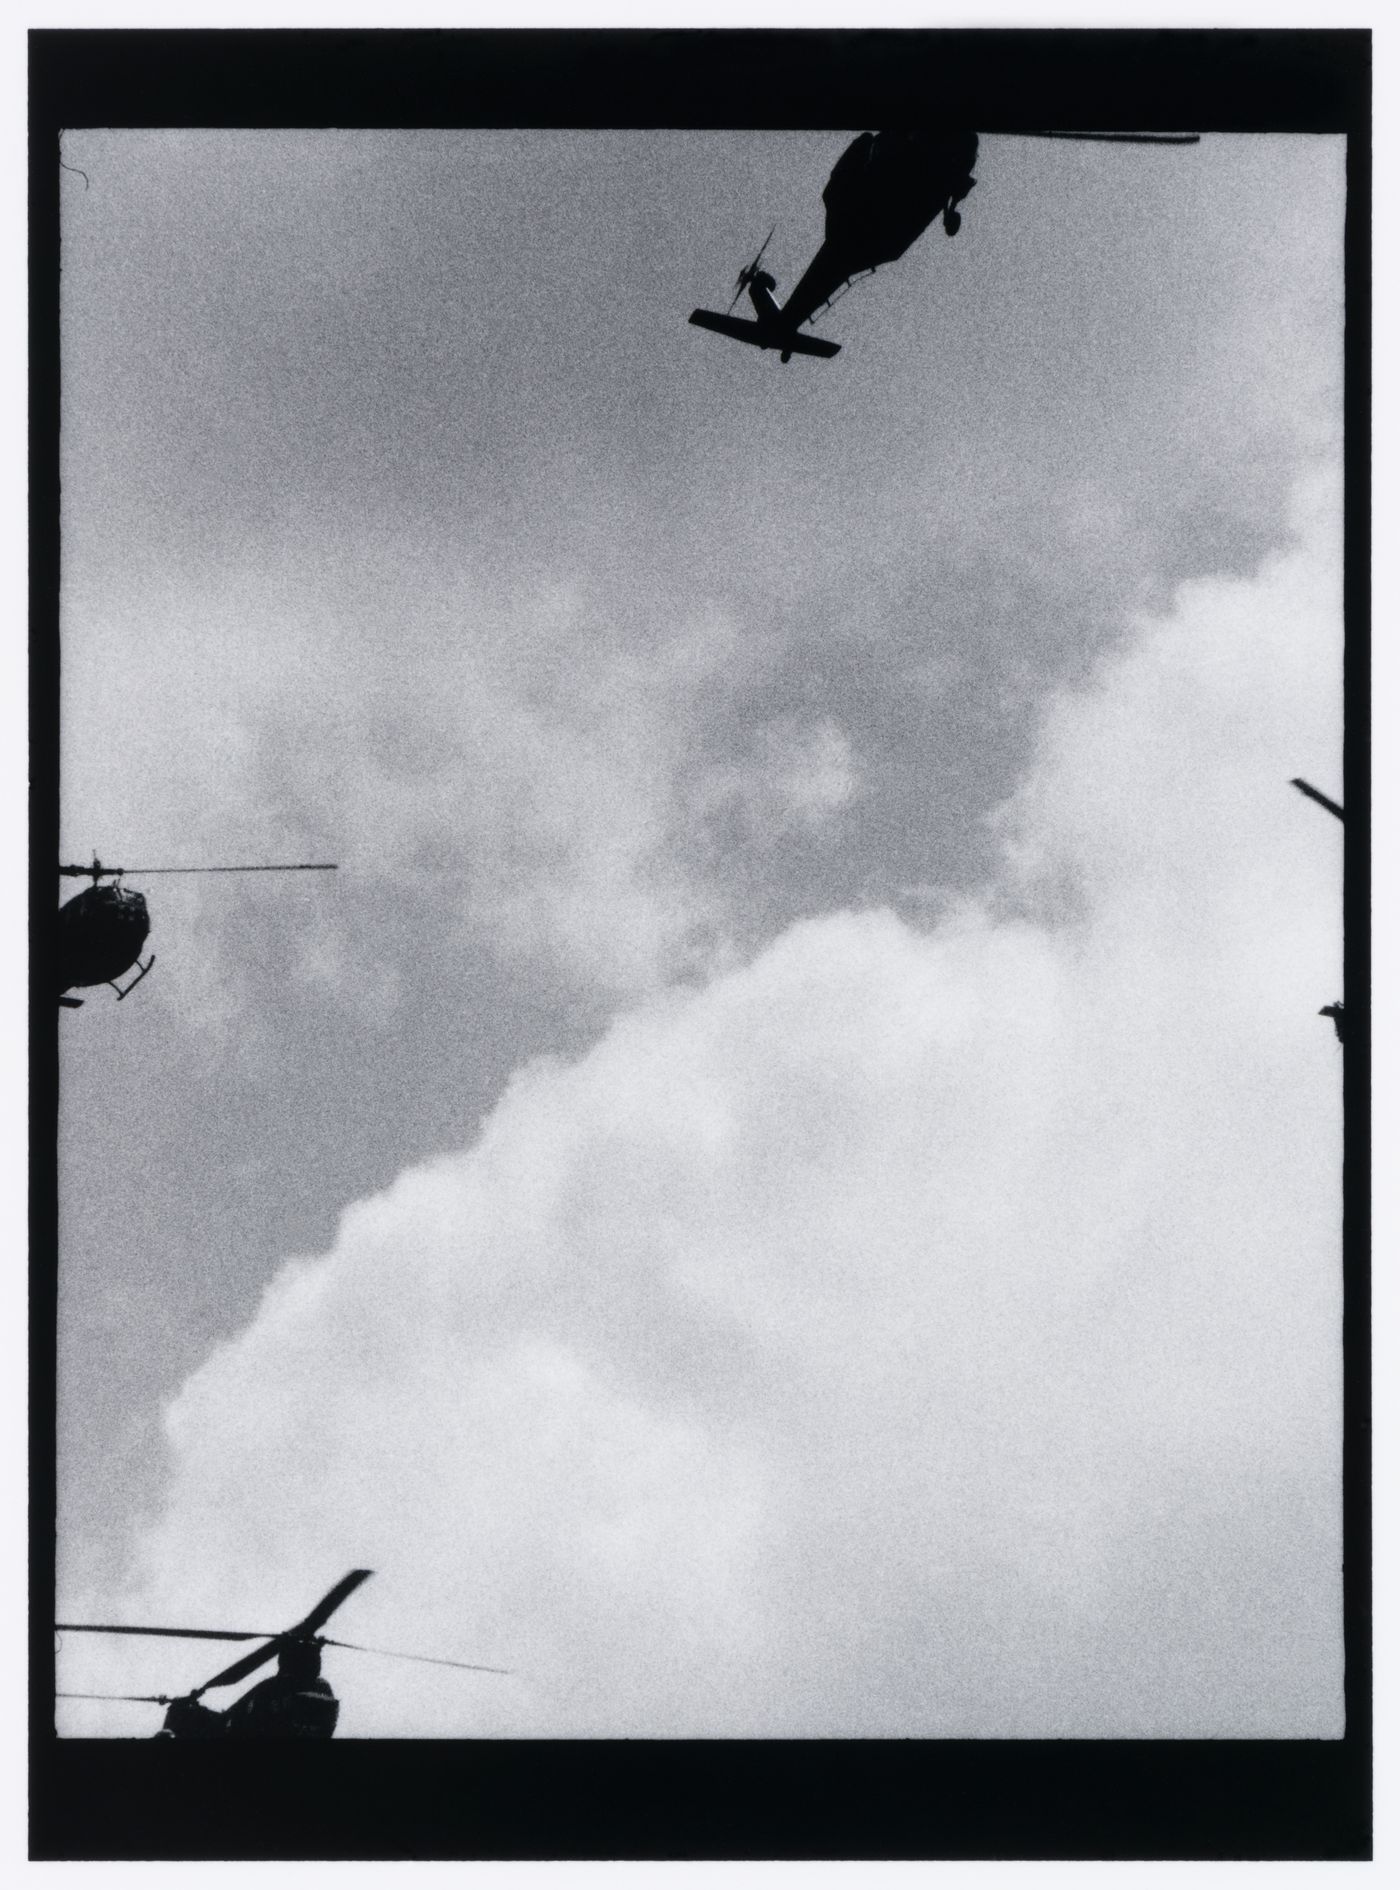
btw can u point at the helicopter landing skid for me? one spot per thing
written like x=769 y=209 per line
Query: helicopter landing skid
x=135 y=981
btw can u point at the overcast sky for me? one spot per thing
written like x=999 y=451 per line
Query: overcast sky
x=791 y=1181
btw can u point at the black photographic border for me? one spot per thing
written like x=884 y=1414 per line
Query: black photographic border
x=682 y=1799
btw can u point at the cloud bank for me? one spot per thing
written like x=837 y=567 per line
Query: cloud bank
x=550 y=709
x=910 y=1332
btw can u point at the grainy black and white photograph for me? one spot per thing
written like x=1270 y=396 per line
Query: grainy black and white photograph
x=699 y=960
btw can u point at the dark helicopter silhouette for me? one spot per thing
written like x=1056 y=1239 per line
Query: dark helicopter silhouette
x=293 y=1703
x=102 y=930
x=1335 y=1011
x=884 y=191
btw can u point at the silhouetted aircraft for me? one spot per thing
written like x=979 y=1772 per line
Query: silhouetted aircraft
x=102 y=930
x=293 y=1703
x=1334 y=1011
x=885 y=190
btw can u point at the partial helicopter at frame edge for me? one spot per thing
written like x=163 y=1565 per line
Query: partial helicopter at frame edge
x=294 y=1703
x=1337 y=1010
x=884 y=191
x=101 y=931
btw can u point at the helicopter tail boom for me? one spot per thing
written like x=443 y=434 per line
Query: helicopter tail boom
x=764 y=335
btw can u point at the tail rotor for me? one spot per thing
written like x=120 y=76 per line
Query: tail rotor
x=750 y=271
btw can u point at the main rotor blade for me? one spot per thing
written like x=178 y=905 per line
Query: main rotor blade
x=1306 y=787
x=428 y=1660
x=750 y=270
x=303 y=1630
x=144 y=1699
x=179 y=1633
x=147 y=871
x=248 y=1663
x=116 y=872
x=1107 y=137
x=328 y=1604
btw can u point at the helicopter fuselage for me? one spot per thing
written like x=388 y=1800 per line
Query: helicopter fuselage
x=270 y=1710
x=100 y=935
x=884 y=191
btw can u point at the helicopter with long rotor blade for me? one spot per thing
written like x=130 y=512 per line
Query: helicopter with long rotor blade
x=293 y=1703
x=1337 y=1011
x=884 y=191
x=101 y=931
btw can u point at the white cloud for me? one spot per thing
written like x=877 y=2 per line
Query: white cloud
x=906 y=1333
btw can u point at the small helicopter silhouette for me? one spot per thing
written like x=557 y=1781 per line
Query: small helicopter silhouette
x=884 y=191
x=293 y=1703
x=1337 y=1011
x=102 y=930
